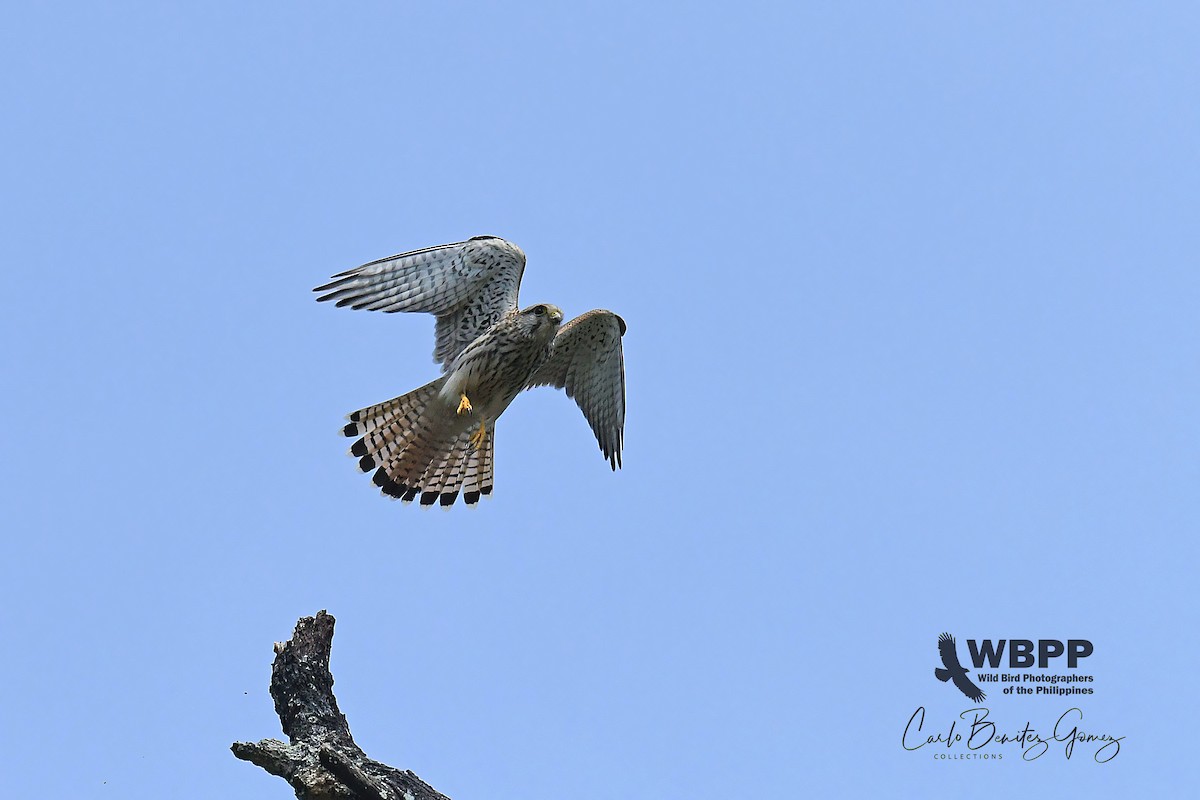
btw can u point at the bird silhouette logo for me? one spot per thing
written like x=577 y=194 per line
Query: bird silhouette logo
x=951 y=670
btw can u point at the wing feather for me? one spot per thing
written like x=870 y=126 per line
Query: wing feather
x=967 y=687
x=587 y=360
x=948 y=652
x=467 y=285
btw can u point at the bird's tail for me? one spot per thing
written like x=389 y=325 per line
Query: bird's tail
x=416 y=445
x=942 y=674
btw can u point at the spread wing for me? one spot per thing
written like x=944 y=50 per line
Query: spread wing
x=588 y=362
x=948 y=652
x=468 y=285
x=969 y=689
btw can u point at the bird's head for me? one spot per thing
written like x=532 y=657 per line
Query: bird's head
x=542 y=317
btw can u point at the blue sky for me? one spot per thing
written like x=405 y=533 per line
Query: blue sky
x=911 y=295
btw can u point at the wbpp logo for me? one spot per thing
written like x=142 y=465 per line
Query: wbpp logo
x=991 y=651
x=1020 y=652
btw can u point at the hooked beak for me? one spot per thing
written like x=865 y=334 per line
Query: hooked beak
x=556 y=317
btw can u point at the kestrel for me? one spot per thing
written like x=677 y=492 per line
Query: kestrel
x=439 y=440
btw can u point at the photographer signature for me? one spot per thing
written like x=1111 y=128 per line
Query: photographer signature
x=981 y=732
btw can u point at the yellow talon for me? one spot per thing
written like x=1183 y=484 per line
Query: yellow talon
x=464 y=406
x=479 y=436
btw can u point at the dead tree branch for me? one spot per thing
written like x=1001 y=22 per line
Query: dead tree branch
x=321 y=760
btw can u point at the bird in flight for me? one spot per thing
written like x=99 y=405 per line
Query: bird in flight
x=954 y=671
x=438 y=441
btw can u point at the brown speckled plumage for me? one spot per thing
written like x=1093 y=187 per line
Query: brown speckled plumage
x=426 y=444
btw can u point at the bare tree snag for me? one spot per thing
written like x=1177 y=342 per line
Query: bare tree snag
x=321 y=760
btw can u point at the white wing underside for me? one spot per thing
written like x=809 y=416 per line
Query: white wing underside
x=588 y=362
x=467 y=285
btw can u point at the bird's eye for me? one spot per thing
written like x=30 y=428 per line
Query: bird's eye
x=539 y=311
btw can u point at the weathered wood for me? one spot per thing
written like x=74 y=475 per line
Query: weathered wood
x=321 y=760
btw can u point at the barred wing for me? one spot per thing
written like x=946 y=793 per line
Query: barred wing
x=468 y=285
x=588 y=362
